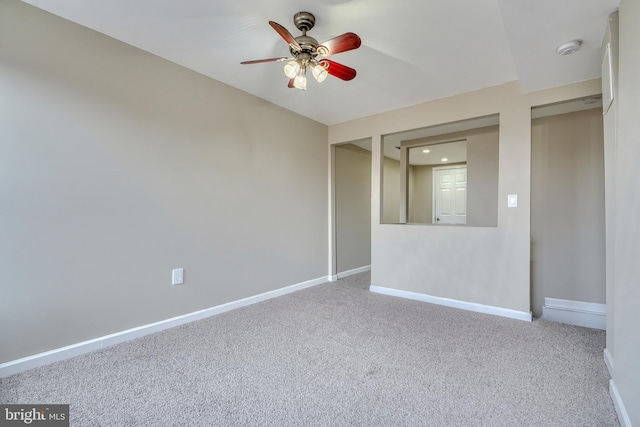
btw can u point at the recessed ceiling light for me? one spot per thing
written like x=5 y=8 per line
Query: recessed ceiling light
x=426 y=151
x=444 y=159
x=569 y=47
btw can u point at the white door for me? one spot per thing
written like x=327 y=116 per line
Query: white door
x=450 y=195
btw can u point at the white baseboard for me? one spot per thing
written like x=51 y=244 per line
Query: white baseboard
x=623 y=416
x=608 y=360
x=348 y=273
x=41 y=359
x=469 y=306
x=579 y=313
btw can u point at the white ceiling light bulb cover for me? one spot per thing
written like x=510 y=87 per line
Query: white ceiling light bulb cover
x=319 y=72
x=300 y=80
x=291 y=69
x=569 y=47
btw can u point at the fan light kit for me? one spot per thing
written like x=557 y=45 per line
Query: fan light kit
x=569 y=47
x=304 y=51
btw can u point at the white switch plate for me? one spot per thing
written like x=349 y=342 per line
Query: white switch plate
x=177 y=276
x=512 y=200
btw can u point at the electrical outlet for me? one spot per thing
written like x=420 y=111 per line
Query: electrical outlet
x=177 y=276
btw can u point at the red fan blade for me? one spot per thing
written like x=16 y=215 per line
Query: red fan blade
x=291 y=84
x=343 y=43
x=286 y=35
x=259 y=61
x=338 y=70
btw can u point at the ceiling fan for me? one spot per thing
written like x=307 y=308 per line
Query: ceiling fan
x=305 y=50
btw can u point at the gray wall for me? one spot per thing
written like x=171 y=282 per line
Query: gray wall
x=567 y=208
x=117 y=166
x=353 y=207
x=482 y=177
x=390 y=191
x=420 y=194
x=491 y=264
x=610 y=124
x=622 y=142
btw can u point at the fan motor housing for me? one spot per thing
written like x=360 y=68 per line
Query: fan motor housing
x=308 y=45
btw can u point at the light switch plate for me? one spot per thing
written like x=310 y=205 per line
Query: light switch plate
x=512 y=200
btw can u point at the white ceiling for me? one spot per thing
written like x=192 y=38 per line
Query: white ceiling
x=453 y=152
x=412 y=51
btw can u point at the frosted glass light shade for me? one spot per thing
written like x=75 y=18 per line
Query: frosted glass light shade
x=291 y=69
x=300 y=81
x=319 y=72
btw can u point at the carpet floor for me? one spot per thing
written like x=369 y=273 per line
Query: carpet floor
x=336 y=355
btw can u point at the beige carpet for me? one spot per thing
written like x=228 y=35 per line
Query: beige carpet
x=336 y=355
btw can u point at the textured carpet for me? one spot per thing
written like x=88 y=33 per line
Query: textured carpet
x=336 y=355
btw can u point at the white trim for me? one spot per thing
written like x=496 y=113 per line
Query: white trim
x=606 y=71
x=469 y=306
x=623 y=415
x=579 y=313
x=40 y=359
x=333 y=278
x=608 y=360
x=351 y=272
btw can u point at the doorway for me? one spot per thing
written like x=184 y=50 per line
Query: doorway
x=352 y=202
x=567 y=204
